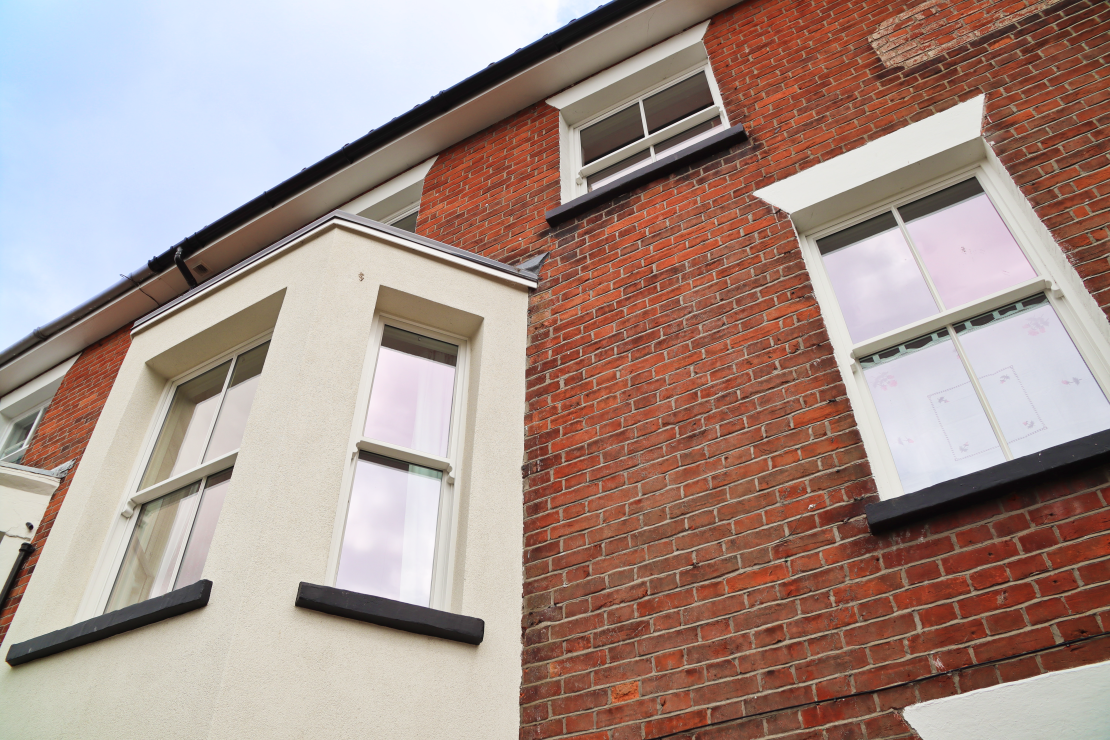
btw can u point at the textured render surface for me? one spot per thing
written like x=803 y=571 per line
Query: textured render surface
x=933 y=27
x=63 y=435
x=251 y=664
x=1066 y=705
x=696 y=551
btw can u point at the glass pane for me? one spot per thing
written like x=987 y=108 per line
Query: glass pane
x=155 y=547
x=389 y=541
x=610 y=134
x=236 y=407
x=621 y=168
x=876 y=279
x=677 y=101
x=184 y=434
x=686 y=136
x=204 y=526
x=408 y=223
x=410 y=404
x=19 y=436
x=933 y=421
x=1036 y=382
x=964 y=244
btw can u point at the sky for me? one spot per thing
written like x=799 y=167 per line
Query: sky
x=128 y=125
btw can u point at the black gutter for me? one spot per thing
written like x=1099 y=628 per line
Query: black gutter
x=493 y=75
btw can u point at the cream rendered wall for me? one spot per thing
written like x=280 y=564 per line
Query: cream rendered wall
x=251 y=664
x=23 y=499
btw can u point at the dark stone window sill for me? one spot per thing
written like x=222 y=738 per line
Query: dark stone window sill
x=398 y=615
x=958 y=492
x=113 y=623
x=721 y=140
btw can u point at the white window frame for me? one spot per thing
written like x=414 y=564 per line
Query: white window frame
x=582 y=171
x=403 y=213
x=1072 y=308
x=447 y=524
x=104 y=578
x=39 y=412
x=34 y=395
x=393 y=199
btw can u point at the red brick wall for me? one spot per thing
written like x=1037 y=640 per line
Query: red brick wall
x=62 y=436
x=697 y=563
x=935 y=26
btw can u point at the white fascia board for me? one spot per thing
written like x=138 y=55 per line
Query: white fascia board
x=605 y=48
x=677 y=53
x=386 y=192
x=35 y=392
x=1063 y=705
x=881 y=168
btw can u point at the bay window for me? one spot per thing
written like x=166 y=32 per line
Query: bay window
x=186 y=478
x=397 y=531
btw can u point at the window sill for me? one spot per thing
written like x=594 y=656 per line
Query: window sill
x=959 y=492
x=719 y=141
x=107 y=625
x=398 y=615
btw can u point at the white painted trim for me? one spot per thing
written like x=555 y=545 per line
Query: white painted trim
x=158 y=490
x=401 y=193
x=690 y=39
x=34 y=393
x=651 y=140
x=447 y=526
x=1063 y=705
x=26 y=480
x=915 y=144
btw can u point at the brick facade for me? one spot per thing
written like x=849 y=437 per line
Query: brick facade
x=697 y=563
x=63 y=435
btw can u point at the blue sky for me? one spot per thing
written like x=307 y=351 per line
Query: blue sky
x=126 y=126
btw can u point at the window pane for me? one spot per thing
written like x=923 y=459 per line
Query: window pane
x=236 y=406
x=19 y=436
x=876 y=279
x=1036 y=382
x=964 y=244
x=155 y=547
x=933 y=421
x=204 y=526
x=623 y=167
x=686 y=136
x=610 y=134
x=410 y=403
x=408 y=223
x=677 y=101
x=389 y=541
x=184 y=434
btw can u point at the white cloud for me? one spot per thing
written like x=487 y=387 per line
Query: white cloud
x=127 y=126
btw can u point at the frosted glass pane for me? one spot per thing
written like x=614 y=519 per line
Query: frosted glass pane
x=1037 y=384
x=389 y=541
x=964 y=244
x=204 y=526
x=877 y=282
x=228 y=433
x=410 y=403
x=184 y=434
x=156 y=543
x=933 y=421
